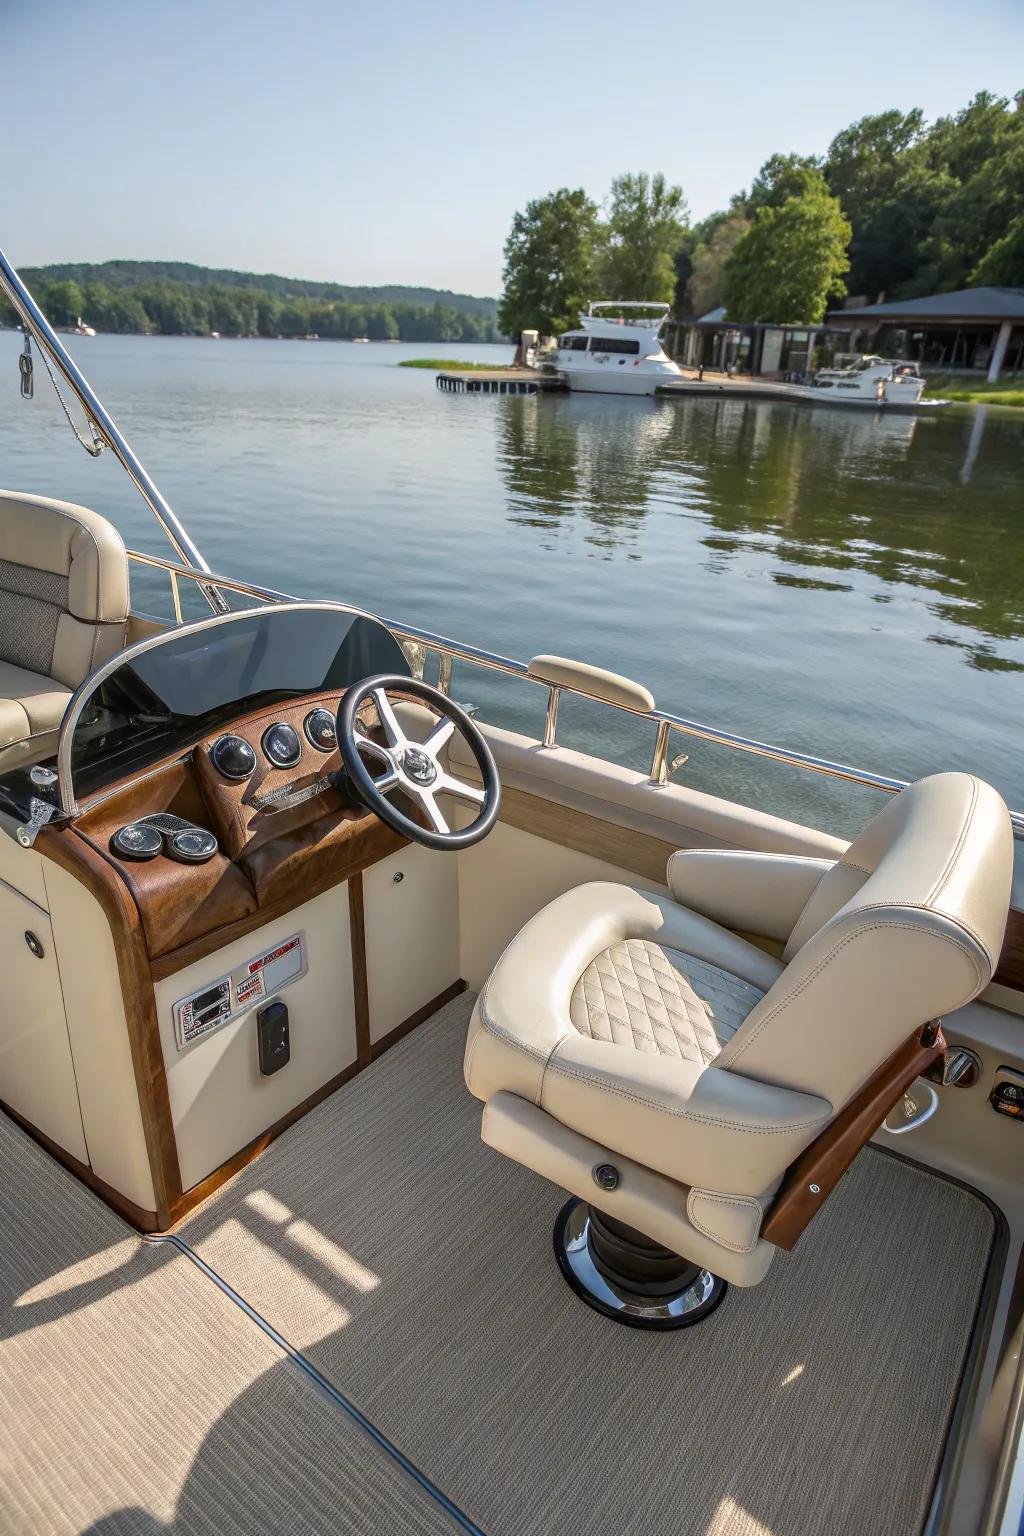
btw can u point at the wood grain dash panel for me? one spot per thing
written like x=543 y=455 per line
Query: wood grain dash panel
x=1010 y=971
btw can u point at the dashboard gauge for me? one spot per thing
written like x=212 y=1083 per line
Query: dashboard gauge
x=281 y=745
x=137 y=841
x=233 y=757
x=321 y=730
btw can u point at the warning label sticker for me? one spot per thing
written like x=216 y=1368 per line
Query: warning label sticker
x=210 y=1009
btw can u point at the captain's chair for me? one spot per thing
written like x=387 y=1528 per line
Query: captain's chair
x=638 y=1052
x=63 y=611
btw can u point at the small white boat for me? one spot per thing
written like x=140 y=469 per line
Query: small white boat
x=872 y=381
x=612 y=355
x=78 y=329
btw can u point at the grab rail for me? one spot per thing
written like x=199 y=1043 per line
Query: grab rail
x=664 y=721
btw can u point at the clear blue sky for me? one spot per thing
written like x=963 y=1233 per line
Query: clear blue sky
x=392 y=142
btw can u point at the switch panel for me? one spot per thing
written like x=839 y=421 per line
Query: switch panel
x=1007 y=1096
x=273 y=1035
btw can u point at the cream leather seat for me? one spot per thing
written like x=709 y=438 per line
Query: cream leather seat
x=63 y=610
x=624 y=1030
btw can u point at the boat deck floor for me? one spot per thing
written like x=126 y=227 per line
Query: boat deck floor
x=413 y=1268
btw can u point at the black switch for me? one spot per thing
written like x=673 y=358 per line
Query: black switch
x=272 y=1033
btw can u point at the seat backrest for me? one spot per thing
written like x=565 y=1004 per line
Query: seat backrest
x=63 y=587
x=906 y=927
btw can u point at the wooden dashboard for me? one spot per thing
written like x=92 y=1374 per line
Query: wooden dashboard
x=165 y=915
x=269 y=860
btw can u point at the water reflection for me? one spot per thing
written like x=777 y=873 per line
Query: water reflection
x=596 y=459
x=822 y=497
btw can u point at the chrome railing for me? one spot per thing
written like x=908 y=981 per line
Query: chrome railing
x=665 y=722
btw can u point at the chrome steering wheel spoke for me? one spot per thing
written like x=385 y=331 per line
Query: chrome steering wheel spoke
x=460 y=790
x=435 y=815
x=396 y=737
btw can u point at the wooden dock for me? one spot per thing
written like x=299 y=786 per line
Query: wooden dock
x=500 y=381
x=735 y=389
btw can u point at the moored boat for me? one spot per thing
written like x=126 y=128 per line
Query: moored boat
x=617 y=353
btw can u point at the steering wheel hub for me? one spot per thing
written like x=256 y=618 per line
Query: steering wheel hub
x=418 y=766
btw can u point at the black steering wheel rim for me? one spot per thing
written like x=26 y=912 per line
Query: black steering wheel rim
x=405 y=758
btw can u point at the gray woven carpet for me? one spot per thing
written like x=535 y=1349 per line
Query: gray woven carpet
x=415 y=1268
x=135 y=1398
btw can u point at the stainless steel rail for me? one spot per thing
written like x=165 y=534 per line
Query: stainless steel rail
x=37 y=325
x=664 y=721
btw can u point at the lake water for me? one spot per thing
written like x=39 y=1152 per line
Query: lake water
x=845 y=584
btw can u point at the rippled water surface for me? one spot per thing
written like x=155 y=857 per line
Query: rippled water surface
x=847 y=584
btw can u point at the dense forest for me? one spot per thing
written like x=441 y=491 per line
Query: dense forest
x=895 y=208
x=173 y=298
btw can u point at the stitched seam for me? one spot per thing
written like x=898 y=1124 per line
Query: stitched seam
x=507 y=1037
x=814 y=891
x=968 y=818
x=716 y=1237
x=544 y=1069
x=921 y=906
x=582 y=1075
x=858 y=933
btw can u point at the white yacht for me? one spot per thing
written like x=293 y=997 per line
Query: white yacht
x=618 y=353
x=412 y=1126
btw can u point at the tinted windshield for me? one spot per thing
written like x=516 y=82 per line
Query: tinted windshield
x=174 y=693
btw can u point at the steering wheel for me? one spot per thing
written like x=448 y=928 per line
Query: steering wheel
x=414 y=766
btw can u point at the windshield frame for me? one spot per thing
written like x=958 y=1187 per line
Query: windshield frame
x=69 y=804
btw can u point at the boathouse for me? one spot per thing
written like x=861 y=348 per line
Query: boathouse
x=715 y=342
x=974 y=330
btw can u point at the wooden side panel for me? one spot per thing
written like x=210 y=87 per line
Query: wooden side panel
x=817 y=1171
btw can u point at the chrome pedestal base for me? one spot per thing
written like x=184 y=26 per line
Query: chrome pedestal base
x=626 y=1276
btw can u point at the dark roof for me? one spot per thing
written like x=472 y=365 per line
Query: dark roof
x=966 y=304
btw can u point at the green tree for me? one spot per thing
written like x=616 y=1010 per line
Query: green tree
x=706 y=288
x=66 y=302
x=782 y=177
x=790 y=263
x=977 y=158
x=1003 y=262
x=888 y=193
x=645 y=228
x=549 y=263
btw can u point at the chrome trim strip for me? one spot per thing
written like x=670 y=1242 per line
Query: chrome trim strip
x=493 y=660
x=40 y=328
x=171 y=1240
x=83 y=693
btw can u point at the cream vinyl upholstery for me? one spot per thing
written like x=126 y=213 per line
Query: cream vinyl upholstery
x=63 y=611
x=646 y=1029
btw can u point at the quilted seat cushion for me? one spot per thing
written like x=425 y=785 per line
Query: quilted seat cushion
x=660 y=1001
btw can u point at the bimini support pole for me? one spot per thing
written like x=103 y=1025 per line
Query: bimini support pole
x=37 y=325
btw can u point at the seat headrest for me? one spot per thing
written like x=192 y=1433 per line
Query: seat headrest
x=943 y=845
x=66 y=540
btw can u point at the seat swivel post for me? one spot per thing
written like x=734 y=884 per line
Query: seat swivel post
x=626 y=1275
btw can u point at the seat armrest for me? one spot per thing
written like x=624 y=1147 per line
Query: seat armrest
x=760 y=893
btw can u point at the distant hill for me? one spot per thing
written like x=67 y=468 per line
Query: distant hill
x=137 y=274
x=177 y=298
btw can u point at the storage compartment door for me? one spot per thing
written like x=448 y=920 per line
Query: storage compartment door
x=37 y=1074
x=411 y=912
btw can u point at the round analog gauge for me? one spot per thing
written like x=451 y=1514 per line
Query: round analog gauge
x=137 y=841
x=321 y=730
x=193 y=845
x=281 y=745
x=233 y=757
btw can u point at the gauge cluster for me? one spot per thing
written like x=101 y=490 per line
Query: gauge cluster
x=280 y=744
